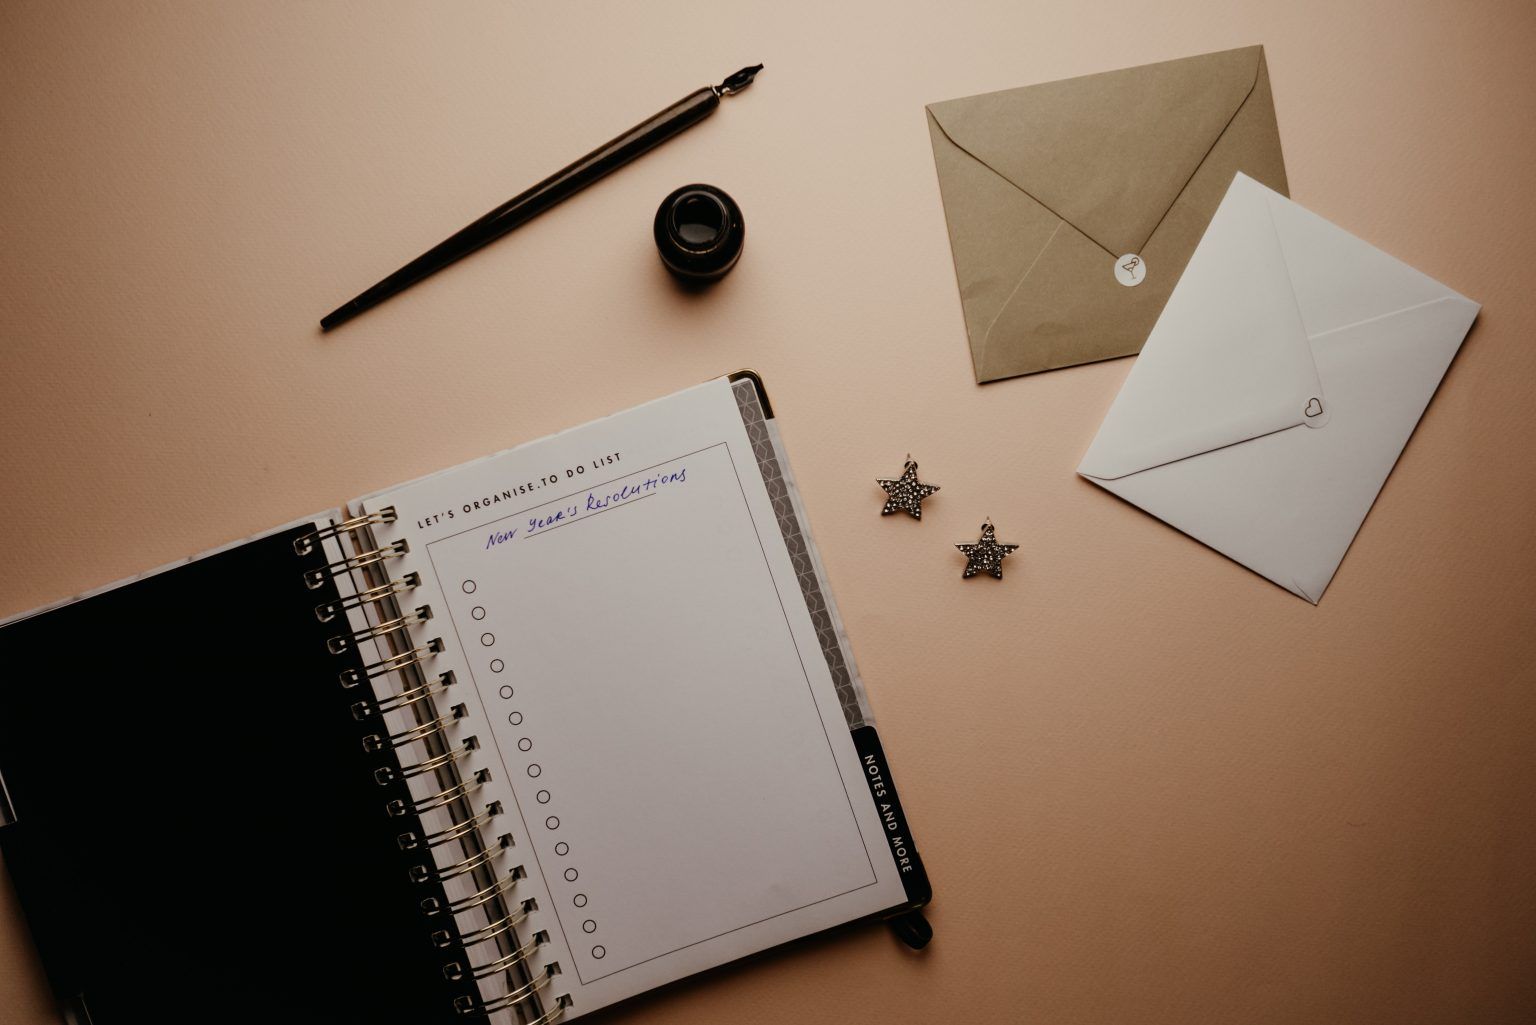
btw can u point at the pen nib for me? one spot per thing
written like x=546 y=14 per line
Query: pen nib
x=739 y=81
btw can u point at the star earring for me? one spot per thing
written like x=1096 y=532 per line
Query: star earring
x=906 y=493
x=986 y=555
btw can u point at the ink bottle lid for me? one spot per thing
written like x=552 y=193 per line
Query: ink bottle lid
x=699 y=232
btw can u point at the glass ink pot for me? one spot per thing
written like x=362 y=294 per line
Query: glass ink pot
x=699 y=232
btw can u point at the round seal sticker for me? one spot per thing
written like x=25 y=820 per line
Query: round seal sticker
x=1130 y=270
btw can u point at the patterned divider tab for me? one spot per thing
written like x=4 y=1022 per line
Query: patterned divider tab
x=800 y=552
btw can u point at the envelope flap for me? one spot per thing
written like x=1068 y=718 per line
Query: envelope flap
x=1229 y=359
x=1341 y=280
x=1108 y=153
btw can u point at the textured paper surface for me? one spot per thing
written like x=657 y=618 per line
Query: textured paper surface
x=1048 y=187
x=1148 y=790
x=1278 y=388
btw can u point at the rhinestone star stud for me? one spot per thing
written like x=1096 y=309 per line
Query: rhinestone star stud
x=906 y=493
x=986 y=555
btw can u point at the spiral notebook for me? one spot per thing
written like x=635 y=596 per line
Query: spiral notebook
x=520 y=739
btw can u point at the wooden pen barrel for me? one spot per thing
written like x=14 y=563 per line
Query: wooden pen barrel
x=613 y=154
x=531 y=202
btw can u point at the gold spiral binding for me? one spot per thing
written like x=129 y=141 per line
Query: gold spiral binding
x=343 y=643
x=425 y=873
x=405 y=699
x=493 y=896
x=455 y=972
x=376 y=742
x=306 y=544
x=316 y=578
x=395 y=663
x=327 y=611
x=468 y=1005
x=505 y=924
x=554 y=1014
x=387 y=774
x=411 y=841
x=441 y=799
x=500 y=888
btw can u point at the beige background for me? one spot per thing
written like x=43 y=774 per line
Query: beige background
x=1150 y=786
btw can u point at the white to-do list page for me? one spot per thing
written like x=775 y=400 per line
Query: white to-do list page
x=649 y=694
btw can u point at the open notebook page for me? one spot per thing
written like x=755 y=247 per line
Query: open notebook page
x=649 y=693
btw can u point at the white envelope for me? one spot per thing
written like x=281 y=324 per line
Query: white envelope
x=1278 y=388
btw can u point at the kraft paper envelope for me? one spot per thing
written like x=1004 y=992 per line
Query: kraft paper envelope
x=1278 y=388
x=1056 y=193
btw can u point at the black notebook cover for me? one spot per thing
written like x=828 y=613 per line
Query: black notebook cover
x=196 y=832
x=198 y=836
